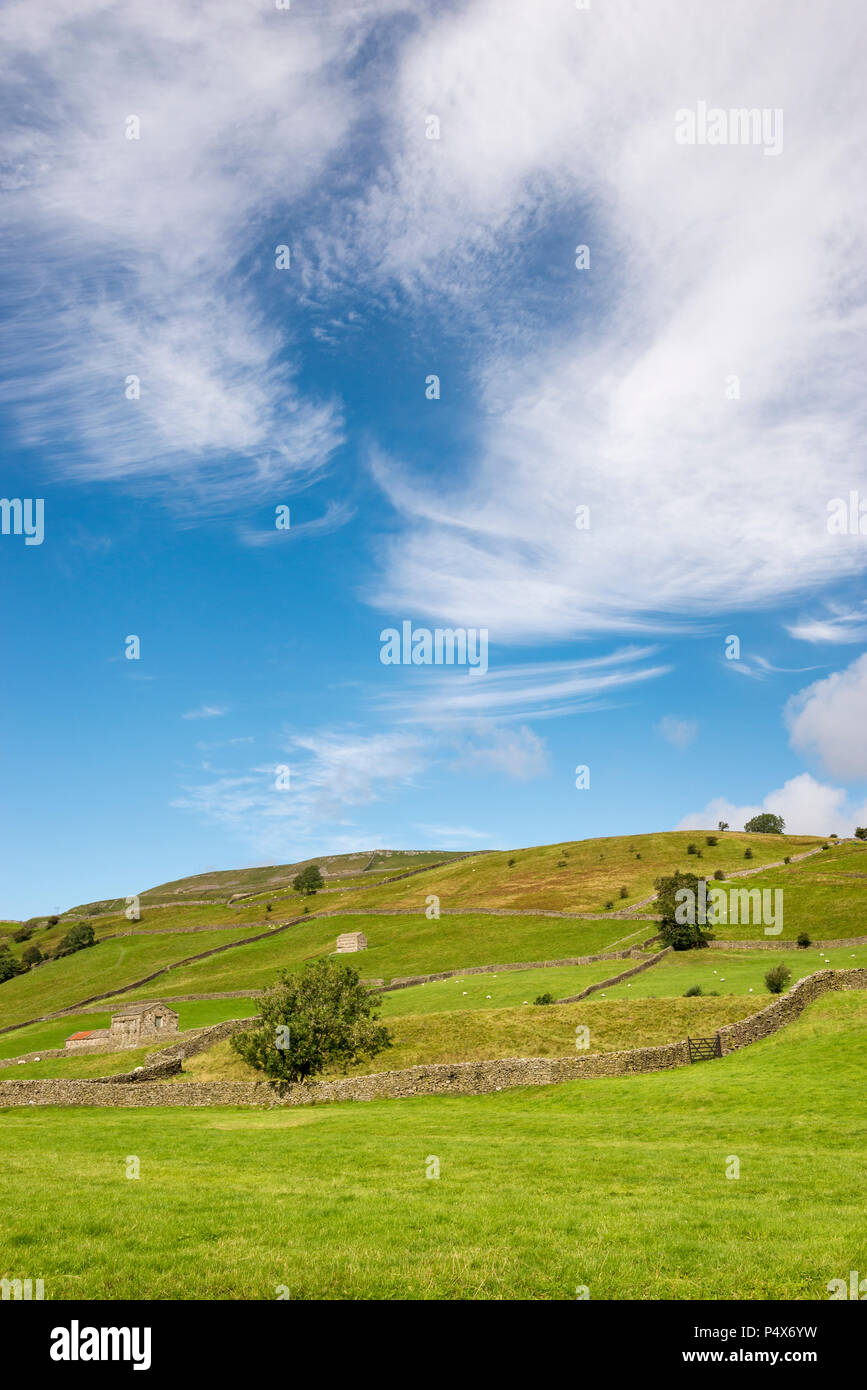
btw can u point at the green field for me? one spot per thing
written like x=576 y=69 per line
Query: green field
x=732 y=972
x=618 y=1185
x=57 y=984
x=581 y=876
x=515 y=987
x=404 y=945
x=826 y=896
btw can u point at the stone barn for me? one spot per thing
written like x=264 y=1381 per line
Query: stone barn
x=351 y=941
x=134 y=1025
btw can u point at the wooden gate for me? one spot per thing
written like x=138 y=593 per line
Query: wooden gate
x=702 y=1049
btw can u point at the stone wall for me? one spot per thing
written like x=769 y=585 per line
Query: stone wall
x=767 y=944
x=616 y=979
x=461 y=1078
x=405 y=981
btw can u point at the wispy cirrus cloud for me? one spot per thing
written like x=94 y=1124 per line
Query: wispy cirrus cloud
x=205 y=712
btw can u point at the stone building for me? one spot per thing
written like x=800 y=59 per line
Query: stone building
x=351 y=941
x=133 y=1026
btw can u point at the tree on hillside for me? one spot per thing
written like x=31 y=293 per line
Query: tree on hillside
x=722 y=825
x=766 y=824
x=676 y=907
x=9 y=965
x=308 y=880
x=32 y=956
x=77 y=938
x=861 y=832
x=319 y=1016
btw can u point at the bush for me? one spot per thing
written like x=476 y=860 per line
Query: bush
x=314 y=1018
x=748 y=854
x=719 y=873
x=638 y=856
x=693 y=992
x=691 y=848
x=711 y=840
x=32 y=956
x=609 y=905
x=561 y=863
x=9 y=966
x=78 y=938
x=52 y=921
x=546 y=998
x=308 y=880
x=624 y=891
x=787 y=859
x=803 y=940
x=22 y=934
x=267 y=907
x=511 y=861
x=777 y=978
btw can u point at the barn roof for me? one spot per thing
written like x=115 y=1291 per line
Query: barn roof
x=133 y=1010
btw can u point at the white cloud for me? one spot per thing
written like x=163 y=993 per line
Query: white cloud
x=204 y=712
x=807 y=806
x=149 y=246
x=828 y=720
x=518 y=753
x=841 y=625
x=696 y=501
x=449 y=835
x=538 y=690
x=679 y=732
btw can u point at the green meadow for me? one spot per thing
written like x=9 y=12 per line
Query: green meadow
x=615 y=1185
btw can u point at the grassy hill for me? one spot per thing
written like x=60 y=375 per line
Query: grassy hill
x=616 y=1184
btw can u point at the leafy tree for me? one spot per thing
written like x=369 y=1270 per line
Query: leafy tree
x=803 y=940
x=682 y=935
x=77 y=938
x=9 y=966
x=308 y=880
x=312 y=1019
x=861 y=832
x=722 y=825
x=32 y=956
x=766 y=824
x=546 y=998
x=23 y=933
x=52 y=921
x=777 y=978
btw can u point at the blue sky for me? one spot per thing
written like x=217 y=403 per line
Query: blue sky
x=608 y=387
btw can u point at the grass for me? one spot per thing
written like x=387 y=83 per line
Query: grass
x=616 y=1184
x=496 y=991
x=401 y=946
x=591 y=875
x=534 y=1031
x=58 y=984
x=826 y=896
x=732 y=972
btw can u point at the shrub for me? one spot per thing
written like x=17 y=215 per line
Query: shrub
x=267 y=907
x=318 y=1016
x=52 y=921
x=748 y=854
x=624 y=891
x=803 y=940
x=692 y=992
x=511 y=861
x=561 y=863
x=9 y=966
x=711 y=840
x=308 y=880
x=22 y=934
x=787 y=859
x=691 y=848
x=32 y=956
x=78 y=938
x=609 y=905
x=826 y=845
x=638 y=856
x=546 y=998
x=777 y=978
x=719 y=873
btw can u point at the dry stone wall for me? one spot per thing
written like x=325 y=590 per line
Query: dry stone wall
x=461 y=1078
